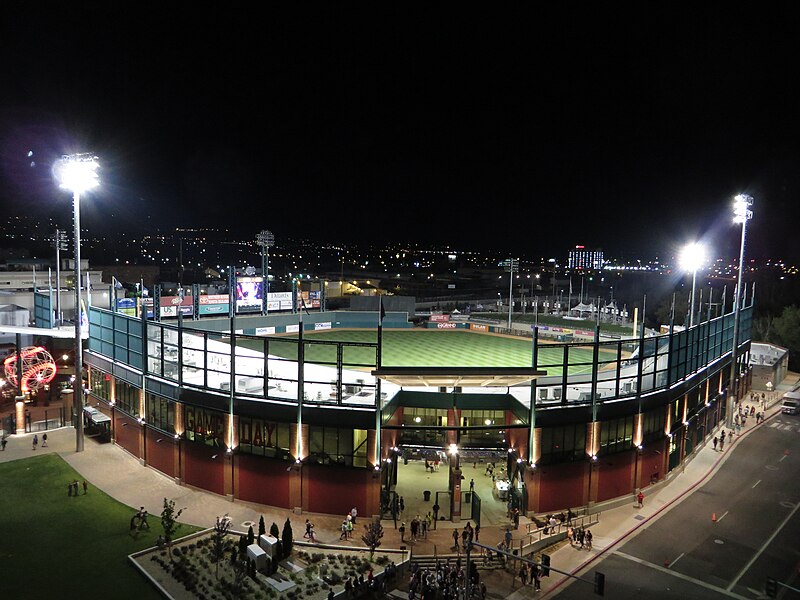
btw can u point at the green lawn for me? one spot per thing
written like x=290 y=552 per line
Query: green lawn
x=403 y=348
x=56 y=546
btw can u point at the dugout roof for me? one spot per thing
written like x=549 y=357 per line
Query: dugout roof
x=457 y=376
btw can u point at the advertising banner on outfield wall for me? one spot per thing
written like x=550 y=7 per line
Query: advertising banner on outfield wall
x=265 y=331
x=318 y=326
x=279 y=301
x=479 y=327
x=213 y=304
x=439 y=318
x=170 y=304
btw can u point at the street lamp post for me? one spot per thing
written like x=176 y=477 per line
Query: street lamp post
x=742 y=213
x=265 y=239
x=692 y=258
x=77 y=173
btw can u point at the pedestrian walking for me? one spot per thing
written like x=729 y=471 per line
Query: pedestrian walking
x=715 y=441
x=570 y=535
x=402 y=504
x=3 y=443
x=311 y=537
x=508 y=537
x=477 y=531
x=350 y=528
x=142 y=513
x=403 y=531
x=523 y=573
x=588 y=538
x=307 y=534
x=44 y=440
x=354 y=514
x=343 y=535
x=69 y=489
x=424 y=525
x=35 y=441
x=722 y=442
x=85 y=488
x=455 y=540
x=581 y=536
x=640 y=498
x=516 y=518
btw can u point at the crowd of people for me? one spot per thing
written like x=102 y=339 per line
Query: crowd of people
x=580 y=537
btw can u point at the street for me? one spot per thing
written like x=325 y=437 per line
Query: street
x=725 y=538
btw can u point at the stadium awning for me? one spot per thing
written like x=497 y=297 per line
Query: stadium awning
x=457 y=376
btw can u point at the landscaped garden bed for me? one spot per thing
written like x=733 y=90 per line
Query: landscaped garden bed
x=214 y=565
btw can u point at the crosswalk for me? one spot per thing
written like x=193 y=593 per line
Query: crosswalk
x=782 y=425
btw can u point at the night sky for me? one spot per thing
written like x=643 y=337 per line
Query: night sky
x=525 y=131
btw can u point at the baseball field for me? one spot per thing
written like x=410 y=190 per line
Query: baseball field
x=431 y=348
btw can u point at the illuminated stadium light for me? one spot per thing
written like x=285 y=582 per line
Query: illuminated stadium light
x=78 y=174
x=691 y=258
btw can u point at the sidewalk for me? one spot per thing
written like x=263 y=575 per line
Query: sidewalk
x=618 y=524
x=123 y=477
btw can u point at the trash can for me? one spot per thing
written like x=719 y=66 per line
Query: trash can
x=426 y=495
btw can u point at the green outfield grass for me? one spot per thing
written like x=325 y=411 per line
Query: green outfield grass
x=57 y=546
x=431 y=348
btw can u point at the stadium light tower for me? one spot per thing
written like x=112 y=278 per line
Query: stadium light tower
x=742 y=213
x=265 y=239
x=511 y=265
x=78 y=174
x=691 y=258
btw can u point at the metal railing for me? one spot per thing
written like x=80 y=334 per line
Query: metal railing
x=536 y=534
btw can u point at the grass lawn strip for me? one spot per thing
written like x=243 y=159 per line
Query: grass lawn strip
x=63 y=546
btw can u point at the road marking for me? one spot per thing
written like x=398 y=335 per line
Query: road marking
x=680 y=575
x=723 y=516
x=767 y=543
x=776 y=424
x=672 y=564
x=755 y=484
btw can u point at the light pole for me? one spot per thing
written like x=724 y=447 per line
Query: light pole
x=742 y=213
x=77 y=173
x=511 y=265
x=691 y=258
x=265 y=239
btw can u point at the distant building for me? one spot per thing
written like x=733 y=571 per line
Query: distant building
x=583 y=259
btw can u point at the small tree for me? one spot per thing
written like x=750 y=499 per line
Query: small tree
x=274 y=531
x=241 y=565
x=287 y=538
x=262 y=528
x=218 y=538
x=373 y=532
x=169 y=522
x=251 y=536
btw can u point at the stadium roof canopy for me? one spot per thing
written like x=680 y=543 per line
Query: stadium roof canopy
x=457 y=376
